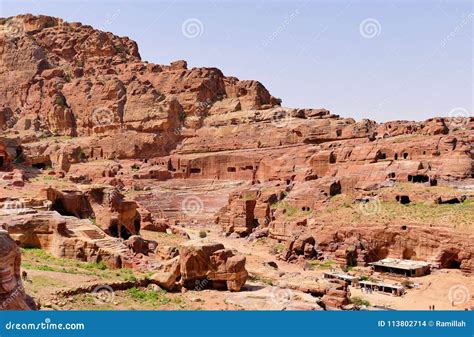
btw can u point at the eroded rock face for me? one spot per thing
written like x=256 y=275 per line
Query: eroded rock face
x=66 y=237
x=357 y=245
x=5 y=160
x=81 y=105
x=12 y=293
x=78 y=239
x=68 y=79
x=104 y=204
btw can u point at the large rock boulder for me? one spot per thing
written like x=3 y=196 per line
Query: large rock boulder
x=205 y=262
x=12 y=293
x=168 y=274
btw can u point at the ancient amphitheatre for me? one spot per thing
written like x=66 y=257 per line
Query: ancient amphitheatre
x=131 y=185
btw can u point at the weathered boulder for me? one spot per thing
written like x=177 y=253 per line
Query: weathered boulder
x=140 y=245
x=12 y=293
x=203 y=261
x=168 y=274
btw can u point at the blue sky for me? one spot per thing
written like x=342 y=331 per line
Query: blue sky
x=383 y=60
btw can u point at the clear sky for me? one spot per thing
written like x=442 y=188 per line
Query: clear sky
x=382 y=60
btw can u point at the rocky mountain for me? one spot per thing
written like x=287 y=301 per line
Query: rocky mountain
x=91 y=131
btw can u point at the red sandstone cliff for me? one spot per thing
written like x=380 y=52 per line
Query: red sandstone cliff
x=82 y=101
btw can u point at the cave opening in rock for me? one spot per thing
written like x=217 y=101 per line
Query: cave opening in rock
x=195 y=170
x=136 y=225
x=42 y=166
x=124 y=233
x=409 y=254
x=403 y=199
x=450 y=260
x=59 y=207
x=451 y=201
x=113 y=230
x=118 y=231
x=420 y=178
x=376 y=254
x=335 y=189
x=351 y=259
x=2 y=162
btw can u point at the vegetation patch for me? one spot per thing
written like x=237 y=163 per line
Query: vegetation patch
x=38 y=259
x=278 y=248
x=316 y=264
x=262 y=279
x=359 y=301
x=156 y=298
x=291 y=211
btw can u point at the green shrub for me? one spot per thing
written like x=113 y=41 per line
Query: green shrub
x=60 y=100
x=67 y=77
x=359 y=301
x=278 y=248
x=314 y=264
x=247 y=196
x=202 y=234
x=157 y=297
x=100 y=265
x=290 y=210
